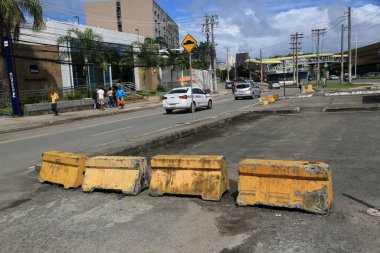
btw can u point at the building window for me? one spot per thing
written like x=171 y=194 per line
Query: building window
x=118 y=17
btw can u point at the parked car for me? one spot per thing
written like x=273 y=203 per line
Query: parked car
x=180 y=98
x=229 y=84
x=333 y=77
x=249 y=90
x=353 y=77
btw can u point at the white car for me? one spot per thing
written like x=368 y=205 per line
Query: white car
x=180 y=98
x=334 y=77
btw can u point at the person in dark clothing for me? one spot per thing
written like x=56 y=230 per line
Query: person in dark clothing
x=94 y=96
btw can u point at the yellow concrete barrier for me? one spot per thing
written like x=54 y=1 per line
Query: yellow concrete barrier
x=265 y=102
x=271 y=99
x=292 y=184
x=276 y=97
x=204 y=176
x=121 y=173
x=62 y=168
x=309 y=88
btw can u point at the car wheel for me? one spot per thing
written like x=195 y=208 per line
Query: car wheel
x=209 y=105
x=169 y=111
x=236 y=98
x=259 y=96
x=253 y=96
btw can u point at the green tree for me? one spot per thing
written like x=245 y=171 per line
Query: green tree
x=12 y=16
x=88 y=45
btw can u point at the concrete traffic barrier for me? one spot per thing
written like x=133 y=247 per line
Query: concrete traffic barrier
x=292 y=184
x=62 y=168
x=276 y=97
x=271 y=99
x=125 y=174
x=309 y=88
x=204 y=176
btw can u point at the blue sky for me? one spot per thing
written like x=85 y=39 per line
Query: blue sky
x=251 y=25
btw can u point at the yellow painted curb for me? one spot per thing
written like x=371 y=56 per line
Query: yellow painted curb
x=292 y=184
x=62 y=168
x=204 y=176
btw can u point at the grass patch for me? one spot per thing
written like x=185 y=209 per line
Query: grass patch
x=370 y=77
x=342 y=86
x=6 y=111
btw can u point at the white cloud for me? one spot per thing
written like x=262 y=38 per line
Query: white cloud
x=246 y=25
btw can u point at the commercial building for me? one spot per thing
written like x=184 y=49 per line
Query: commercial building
x=143 y=17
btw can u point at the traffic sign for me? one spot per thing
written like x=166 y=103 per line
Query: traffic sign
x=189 y=43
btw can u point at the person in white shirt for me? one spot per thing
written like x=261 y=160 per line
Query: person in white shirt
x=100 y=96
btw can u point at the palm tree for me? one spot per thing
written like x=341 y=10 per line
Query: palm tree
x=89 y=47
x=12 y=16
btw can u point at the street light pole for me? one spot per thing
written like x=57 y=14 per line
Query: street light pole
x=191 y=87
x=283 y=66
x=77 y=17
x=228 y=72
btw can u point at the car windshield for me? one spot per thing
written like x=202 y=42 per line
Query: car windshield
x=178 y=91
x=242 y=86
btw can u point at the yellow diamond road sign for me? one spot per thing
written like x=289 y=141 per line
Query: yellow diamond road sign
x=189 y=43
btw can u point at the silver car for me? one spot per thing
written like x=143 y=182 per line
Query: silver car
x=247 y=90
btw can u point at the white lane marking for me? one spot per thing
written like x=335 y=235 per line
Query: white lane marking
x=181 y=115
x=25 y=138
x=104 y=144
x=111 y=131
x=76 y=128
x=245 y=107
x=220 y=106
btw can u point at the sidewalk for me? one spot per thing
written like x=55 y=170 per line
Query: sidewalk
x=13 y=124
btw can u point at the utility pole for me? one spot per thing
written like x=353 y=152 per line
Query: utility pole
x=214 y=22
x=318 y=32
x=356 y=53
x=249 y=67
x=283 y=69
x=349 y=46
x=341 y=55
x=228 y=71
x=296 y=46
x=292 y=37
x=261 y=67
x=207 y=31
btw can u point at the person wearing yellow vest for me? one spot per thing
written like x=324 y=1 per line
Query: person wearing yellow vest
x=54 y=99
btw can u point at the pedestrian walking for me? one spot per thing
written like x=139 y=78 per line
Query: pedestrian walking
x=54 y=100
x=110 y=98
x=120 y=97
x=233 y=87
x=100 y=96
x=114 y=93
x=323 y=82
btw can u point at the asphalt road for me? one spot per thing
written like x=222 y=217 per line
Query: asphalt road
x=20 y=150
x=53 y=219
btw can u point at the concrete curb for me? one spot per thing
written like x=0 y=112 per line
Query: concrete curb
x=351 y=109
x=348 y=93
x=76 y=118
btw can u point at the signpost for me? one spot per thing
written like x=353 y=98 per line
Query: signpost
x=188 y=44
x=12 y=78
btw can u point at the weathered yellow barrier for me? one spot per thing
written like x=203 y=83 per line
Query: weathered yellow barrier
x=126 y=174
x=309 y=88
x=293 y=184
x=62 y=168
x=276 y=97
x=189 y=175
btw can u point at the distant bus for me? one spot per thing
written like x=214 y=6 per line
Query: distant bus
x=276 y=78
